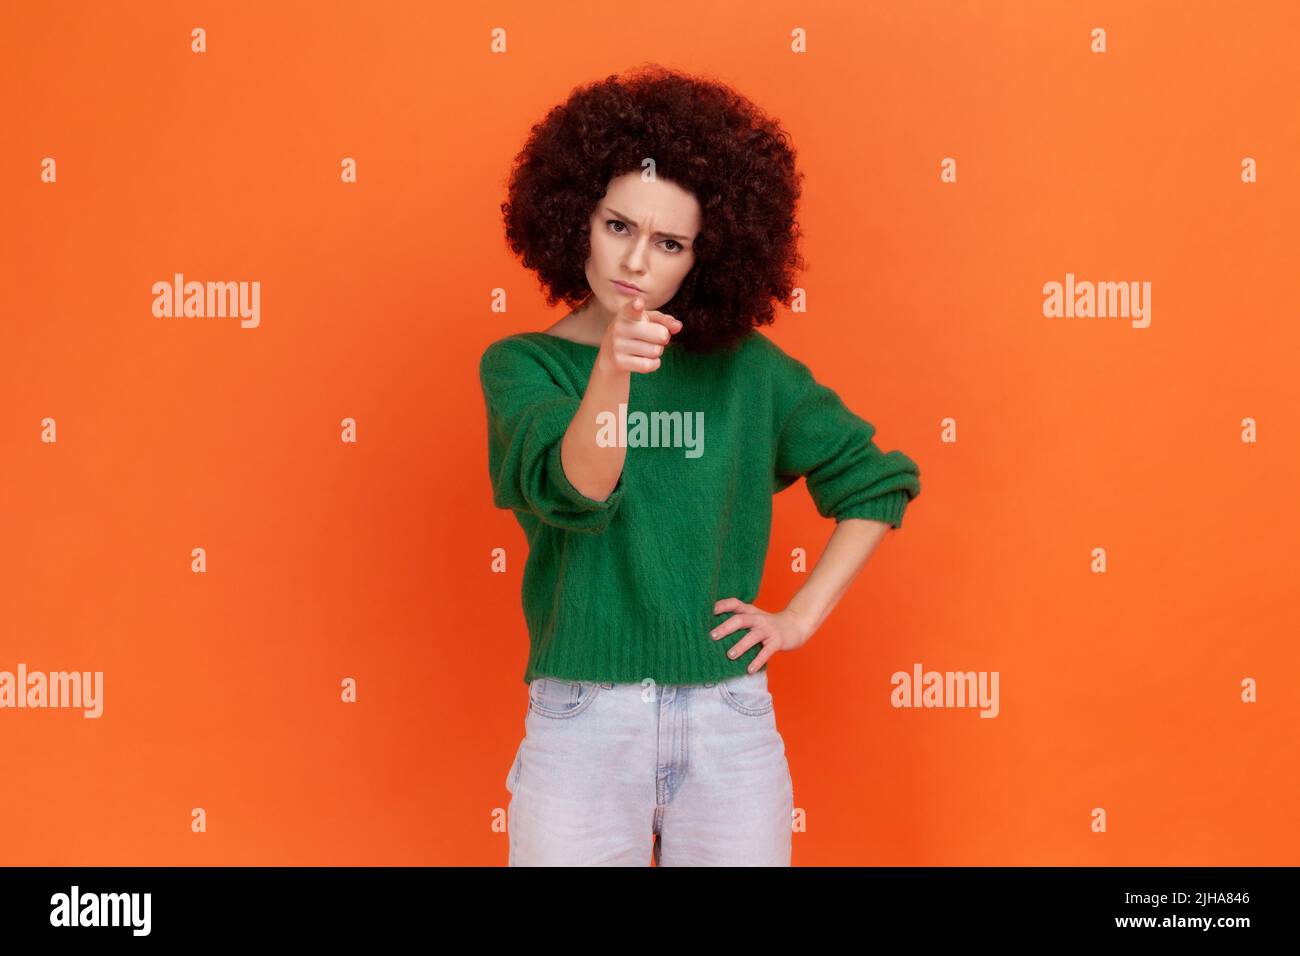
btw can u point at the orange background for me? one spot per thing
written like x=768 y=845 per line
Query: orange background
x=326 y=560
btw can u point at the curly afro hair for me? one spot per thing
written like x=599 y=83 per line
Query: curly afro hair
x=703 y=136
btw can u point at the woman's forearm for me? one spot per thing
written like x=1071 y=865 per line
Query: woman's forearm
x=590 y=468
x=847 y=551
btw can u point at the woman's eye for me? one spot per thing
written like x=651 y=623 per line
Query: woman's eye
x=622 y=228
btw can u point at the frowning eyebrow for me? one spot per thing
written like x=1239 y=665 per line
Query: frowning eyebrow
x=669 y=235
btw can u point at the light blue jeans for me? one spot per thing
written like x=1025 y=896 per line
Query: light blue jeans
x=608 y=774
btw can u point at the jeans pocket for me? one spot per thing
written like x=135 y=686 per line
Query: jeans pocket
x=557 y=698
x=512 y=775
x=748 y=694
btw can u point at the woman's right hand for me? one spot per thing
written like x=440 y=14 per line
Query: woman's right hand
x=636 y=338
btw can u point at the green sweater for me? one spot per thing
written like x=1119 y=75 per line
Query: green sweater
x=623 y=589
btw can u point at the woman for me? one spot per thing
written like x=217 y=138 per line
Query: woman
x=662 y=206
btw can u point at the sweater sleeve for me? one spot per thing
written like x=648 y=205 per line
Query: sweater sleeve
x=527 y=415
x=847 y=475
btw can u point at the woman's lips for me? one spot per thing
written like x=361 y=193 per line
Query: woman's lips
x=624 y=287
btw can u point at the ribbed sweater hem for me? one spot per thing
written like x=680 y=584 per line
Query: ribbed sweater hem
x=667 y=657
